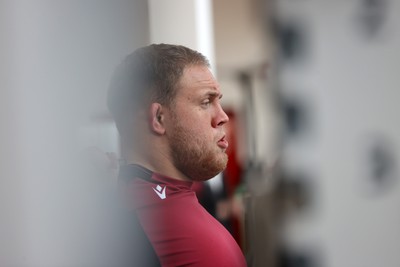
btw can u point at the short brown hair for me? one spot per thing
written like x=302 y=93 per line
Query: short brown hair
x=149 y=74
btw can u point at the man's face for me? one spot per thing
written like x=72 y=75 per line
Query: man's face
x=195 y=129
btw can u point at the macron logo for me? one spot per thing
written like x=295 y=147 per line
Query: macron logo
x=160 y=191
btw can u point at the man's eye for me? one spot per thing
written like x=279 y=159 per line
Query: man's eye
x=206 y=103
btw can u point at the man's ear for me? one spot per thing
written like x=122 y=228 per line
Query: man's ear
x=156 y=118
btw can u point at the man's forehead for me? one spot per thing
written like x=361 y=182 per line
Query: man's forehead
x=205 y=89
x=199 y=76
x=197 y=72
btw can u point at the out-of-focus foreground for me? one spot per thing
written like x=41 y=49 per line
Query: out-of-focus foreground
x=310 y=87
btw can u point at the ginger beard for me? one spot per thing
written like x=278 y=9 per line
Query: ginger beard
x=194 y=156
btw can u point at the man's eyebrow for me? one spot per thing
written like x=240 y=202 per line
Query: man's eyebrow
x=214 y=94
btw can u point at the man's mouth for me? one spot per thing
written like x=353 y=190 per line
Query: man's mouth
x=223 y=143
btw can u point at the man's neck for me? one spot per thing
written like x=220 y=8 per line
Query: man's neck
x=157 y=163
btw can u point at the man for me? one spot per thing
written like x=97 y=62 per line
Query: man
x=166 y=105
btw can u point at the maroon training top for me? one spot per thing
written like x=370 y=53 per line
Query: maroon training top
x=181 y=231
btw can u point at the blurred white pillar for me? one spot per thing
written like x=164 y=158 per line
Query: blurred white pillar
x=57 y=59
x=11 y=200
x=183 y=22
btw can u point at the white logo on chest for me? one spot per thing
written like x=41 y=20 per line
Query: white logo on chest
x=160 y=191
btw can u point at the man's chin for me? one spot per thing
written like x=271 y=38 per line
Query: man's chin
x=213 y=170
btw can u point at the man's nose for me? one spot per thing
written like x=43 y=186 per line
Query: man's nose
x=221 y=117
